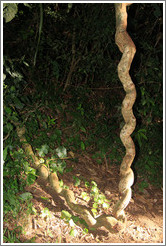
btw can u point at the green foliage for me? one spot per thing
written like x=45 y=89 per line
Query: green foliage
x=72 y=221
x=57 y=166
x=45 y=213
x=61 y=152
x=66 y=215
x=148 y=109
x=9 y=11
x=77 y=181
x=64 y=186
x=12 y=236
x=85 y=196
x=51 y=122
x=143 y=185
x=43 y=150
x=16 y=170
x=150 y=158
x=26 y=196
x=56 y=163
x=139 y=135
x=96 y=198
x=86 y=118
x=80 y=109
x=16 y=174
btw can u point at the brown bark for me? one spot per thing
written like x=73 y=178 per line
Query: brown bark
x=109 y=222
x=113 y=224
x=127 y=47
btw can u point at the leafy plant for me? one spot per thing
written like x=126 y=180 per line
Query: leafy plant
x=77 y=181
x=51 y=122
x=62 y=185
x=89 y=111
x=30 y=172
x=72 y=220
x=26 y=196
x=61 y=152
x=97 y=199
x=80 y=109
x=85 y=196
x=45 y=213
x=12 y=236
x=57 y=166
x=43 y=150
x=9 y=11
x=139 y=135
x=143 y=185
x=17 y=173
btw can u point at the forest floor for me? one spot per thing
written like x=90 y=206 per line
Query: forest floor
x=144 y=213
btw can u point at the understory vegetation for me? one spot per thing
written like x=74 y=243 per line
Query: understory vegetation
x=60 y=81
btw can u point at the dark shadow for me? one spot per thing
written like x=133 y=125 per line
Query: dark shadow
x=59 y=202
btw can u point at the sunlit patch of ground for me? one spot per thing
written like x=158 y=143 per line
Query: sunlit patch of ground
x=144 y=213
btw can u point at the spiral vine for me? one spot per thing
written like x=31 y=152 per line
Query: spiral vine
x=127 y=47
x=116 y=222
x=108 y=221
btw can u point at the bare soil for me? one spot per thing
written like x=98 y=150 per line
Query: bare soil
x=144 y=213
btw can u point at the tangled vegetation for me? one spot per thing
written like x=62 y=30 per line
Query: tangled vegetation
x=60 y=82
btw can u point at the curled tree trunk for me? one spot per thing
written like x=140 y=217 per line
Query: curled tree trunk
x=116 y=223
x=109 y=222
x=127 y=47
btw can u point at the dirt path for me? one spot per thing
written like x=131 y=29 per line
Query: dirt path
x=144 y=213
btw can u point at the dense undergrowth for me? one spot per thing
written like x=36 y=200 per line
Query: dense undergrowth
x=70 y=101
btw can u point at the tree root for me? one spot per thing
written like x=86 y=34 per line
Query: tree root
x=109 y=222
x=118 y=222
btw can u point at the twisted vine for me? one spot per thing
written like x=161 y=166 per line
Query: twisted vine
x=127 y=47
x=108 y=221
x=116 y=223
